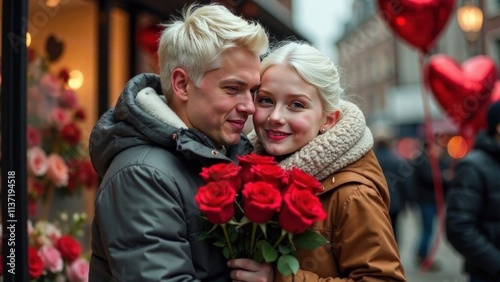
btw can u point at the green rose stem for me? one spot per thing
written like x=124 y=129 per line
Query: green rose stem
x=283 y=234
x=227 y=240
x=252 y=241
x=239 y=207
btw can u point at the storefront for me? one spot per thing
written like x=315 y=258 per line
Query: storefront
x=79 y=55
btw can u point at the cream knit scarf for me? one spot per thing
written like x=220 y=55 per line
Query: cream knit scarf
x=346 y=142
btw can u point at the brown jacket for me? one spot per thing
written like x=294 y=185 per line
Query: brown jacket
x=361 y=241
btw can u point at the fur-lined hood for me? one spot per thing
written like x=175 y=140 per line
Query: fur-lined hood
x=142 y=117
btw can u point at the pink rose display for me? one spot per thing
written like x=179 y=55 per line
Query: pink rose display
x=50 y=85
x=57 y=170
x=69 y=99
x=78 y=271
x=51 y=258
x=58 y=117
x=34 y=138
x=37 y=161
x=58 y=166
x=55 y=254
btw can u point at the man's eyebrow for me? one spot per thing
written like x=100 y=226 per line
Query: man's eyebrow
x=239 y=82
x=234 y=80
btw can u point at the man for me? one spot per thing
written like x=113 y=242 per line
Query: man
x=150 y=149
x=472 y=217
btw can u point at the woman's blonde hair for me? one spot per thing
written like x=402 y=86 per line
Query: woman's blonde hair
x=313 y=66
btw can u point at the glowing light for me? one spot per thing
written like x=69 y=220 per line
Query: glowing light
x=28 y=39
x=52 y=3
x=75 y=79
x=408 y=148
x=457 y=147
x=470 y=20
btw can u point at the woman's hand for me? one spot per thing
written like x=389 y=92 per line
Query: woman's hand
x=247 y=270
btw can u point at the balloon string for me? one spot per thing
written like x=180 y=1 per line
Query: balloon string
x=436 y=174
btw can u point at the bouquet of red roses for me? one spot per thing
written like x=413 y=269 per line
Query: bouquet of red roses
x=260 y=201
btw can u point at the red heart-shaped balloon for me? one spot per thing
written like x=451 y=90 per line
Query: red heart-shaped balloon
x=461 y=90
x=418 y=22
x=478 y=122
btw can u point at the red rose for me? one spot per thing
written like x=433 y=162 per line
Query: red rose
x=254 y=159
x=35 y=189
x=69 y=99
x=86 y=174
x=32 y=207
x=247 y=161
x=79 y=114
x=304 y=181
x=33 y=136
x=71 y=133
x=272 y=174
x=261 y=201
x=35 y=263
x=31 y=55
x=72 y=182
x=70 y=248
x=300 y=210
x=216 y=201
x=223 y=171
x=64 y=75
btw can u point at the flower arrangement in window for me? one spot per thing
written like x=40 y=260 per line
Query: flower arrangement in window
x=54 y=253
x=57 y=157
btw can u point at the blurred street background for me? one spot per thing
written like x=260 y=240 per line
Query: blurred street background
x=102 y=44
x=449 y=260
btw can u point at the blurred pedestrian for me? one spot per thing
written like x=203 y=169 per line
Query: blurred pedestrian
x=472 y=214
x=395 y=170
x=425 y=195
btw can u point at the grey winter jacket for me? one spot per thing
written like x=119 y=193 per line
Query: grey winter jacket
x=146 y=221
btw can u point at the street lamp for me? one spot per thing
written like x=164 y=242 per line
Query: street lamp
x=470 y=20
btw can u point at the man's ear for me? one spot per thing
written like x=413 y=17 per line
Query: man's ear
x=180 y=81
x=331 y=120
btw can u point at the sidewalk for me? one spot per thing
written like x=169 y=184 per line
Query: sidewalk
x=450 y=261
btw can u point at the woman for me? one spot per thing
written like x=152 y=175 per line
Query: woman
x=302 y=121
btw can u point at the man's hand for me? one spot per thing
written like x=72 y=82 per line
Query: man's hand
x=247 y=270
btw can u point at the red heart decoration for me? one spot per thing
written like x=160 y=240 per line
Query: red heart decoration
x=418 y=22
x=149 y=37
x=478 y=122
x=461 y=90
